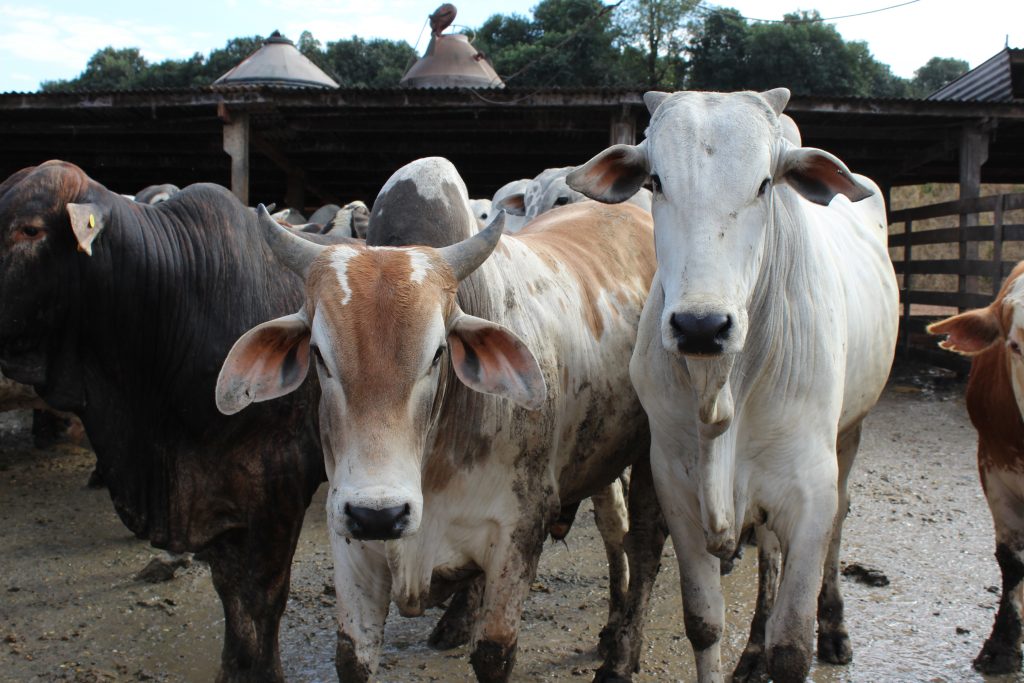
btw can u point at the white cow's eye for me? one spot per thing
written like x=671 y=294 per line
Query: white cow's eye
x=320 y=360
x=656 y=183
x=764 y=187
x=561 y=201
x=437 y=356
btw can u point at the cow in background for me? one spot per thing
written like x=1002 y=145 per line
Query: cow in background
x=122 y=313
x=994 y=337
x=465 y=401
x=768 y=336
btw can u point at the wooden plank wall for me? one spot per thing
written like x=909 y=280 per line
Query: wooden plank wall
x=920 y=250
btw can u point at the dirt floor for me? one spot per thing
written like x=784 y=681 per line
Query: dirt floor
x=71 y=610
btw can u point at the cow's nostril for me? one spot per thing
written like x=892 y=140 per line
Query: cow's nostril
x=702 y=334
x=377 y=524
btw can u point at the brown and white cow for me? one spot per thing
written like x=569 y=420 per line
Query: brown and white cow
x=994 y=337
x=469 y=392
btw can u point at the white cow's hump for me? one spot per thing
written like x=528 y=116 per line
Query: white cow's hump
x=430 y=175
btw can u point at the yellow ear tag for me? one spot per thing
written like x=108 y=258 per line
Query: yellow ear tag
x=92 y=221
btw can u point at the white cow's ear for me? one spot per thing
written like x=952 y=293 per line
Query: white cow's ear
x=654 y=98
x=969 y=333
x=513 y=204
x=268 y=361
x=87 y=222
x=613 y=176
x=491 y=359
x=819 y=176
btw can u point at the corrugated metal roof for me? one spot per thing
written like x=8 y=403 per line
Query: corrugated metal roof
x=998 y=79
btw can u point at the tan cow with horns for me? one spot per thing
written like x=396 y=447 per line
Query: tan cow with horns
x=469 y=392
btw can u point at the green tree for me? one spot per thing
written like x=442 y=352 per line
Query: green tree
x=718 y=52
x=358 y=63
x=936 y=73
x=108 y=69
x=658 y=29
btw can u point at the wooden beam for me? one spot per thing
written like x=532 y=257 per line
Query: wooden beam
x=236 y=144
x=974 y=139
x=298 y=183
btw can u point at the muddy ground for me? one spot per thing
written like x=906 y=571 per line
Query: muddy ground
x=71 y=610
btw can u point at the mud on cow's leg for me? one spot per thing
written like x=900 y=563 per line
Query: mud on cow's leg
x=612 y=521
x=753 y=664
x=643 y=545
x=251 y=569
x=833 y=639
x=455 y=627
x=362 y=583
x=1001 y=652
x=507 y=584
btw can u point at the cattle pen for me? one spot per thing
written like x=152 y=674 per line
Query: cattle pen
x=950 y=257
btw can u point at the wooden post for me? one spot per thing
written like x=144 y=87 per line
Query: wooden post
x=623 y=128
x=908 y=228
x=973 y=154
x=236 y=144
x=997 y=244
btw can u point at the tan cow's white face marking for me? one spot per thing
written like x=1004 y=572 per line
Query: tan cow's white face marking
x=339 y=259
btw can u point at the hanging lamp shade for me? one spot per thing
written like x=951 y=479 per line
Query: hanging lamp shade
x=450 y=61
x=277 y=62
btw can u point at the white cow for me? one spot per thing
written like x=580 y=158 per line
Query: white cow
x=466 y=400
x=767 y=337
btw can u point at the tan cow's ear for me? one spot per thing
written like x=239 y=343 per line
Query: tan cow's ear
x=268 y=361
x=87 y=222
x=969 y=333
x=819 y=176
x=613 y=176
x=491 y=359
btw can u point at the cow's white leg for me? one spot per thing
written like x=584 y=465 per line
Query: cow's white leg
x=612 y=520
x=833 y=640
x=643 y=544
x=509 y=573
x=1001 y=652
x=362 y=583
x=703 y=606
x=752 y=665
x=803 y=517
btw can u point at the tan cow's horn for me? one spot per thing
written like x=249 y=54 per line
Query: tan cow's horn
x=290 y=249
x=467 y=255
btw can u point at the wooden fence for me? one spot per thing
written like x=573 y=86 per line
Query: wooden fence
x=951 y=257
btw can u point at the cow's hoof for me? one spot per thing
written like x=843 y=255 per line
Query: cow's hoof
x=789 y=663
x=347 y=664
x=752 y=667
x=604 y=675
x=606 y=641
x=492 y=662
x=997 y=659
x=834 y=647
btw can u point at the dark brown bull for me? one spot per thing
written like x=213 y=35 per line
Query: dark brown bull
x=123 y=313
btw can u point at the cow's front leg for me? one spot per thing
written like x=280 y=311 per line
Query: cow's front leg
x=643 y=546
x=362 y=583
x=508 y=575
x=612 y=519
x=753 y=665
x=1001 y=652
x=703 y=606
x=833 y=640
x=802 y=519
x=251 y=570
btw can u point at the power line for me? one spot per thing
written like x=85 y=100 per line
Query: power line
x=717 y=8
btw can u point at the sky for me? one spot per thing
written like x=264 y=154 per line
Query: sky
x=50 y=39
